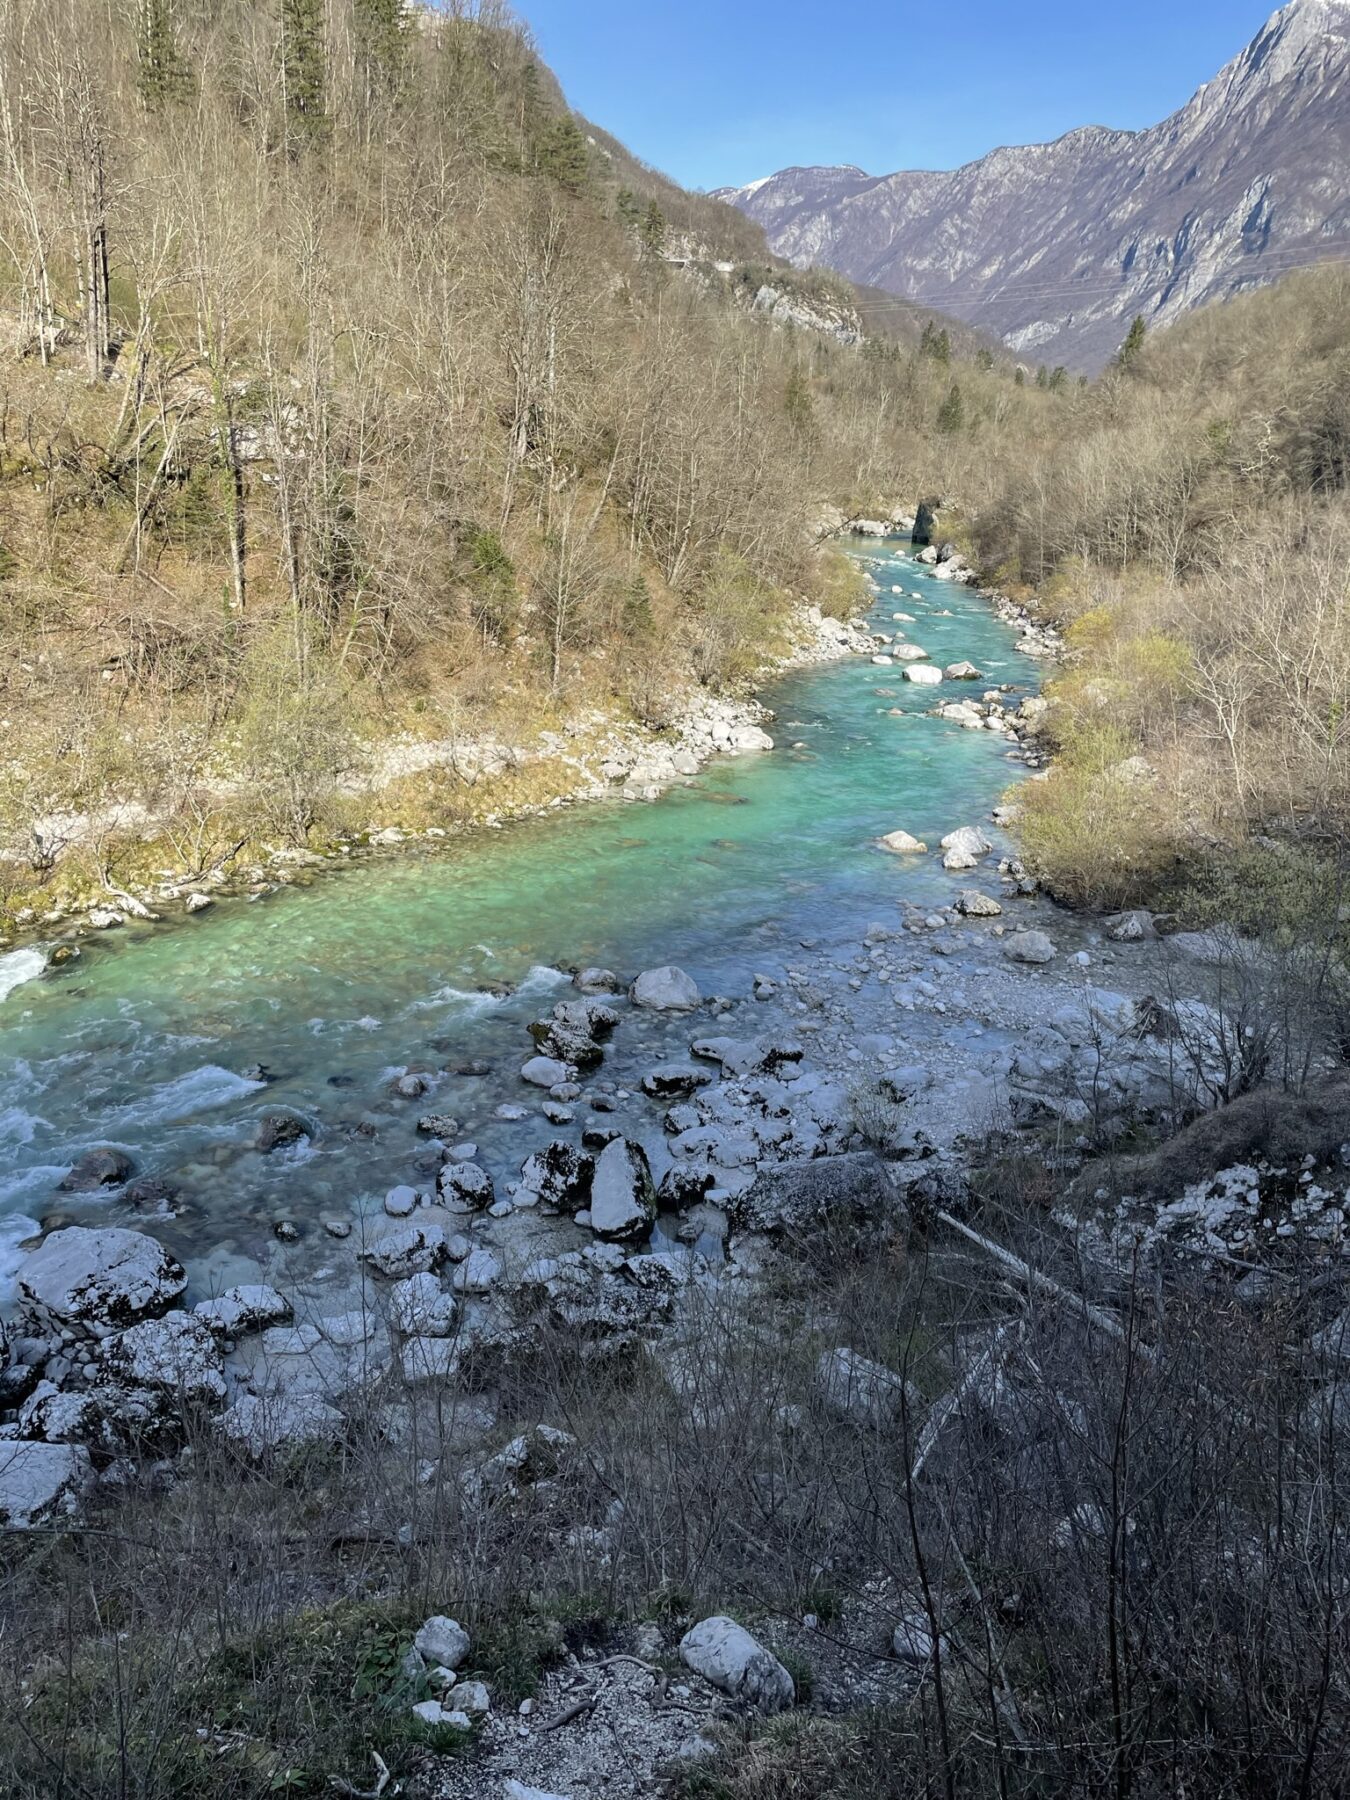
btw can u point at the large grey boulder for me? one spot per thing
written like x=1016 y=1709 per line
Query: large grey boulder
x=100 y=1280
x=573 y=1031
x=40 y=1482
x=809 y=1196
x=443 y=1642
x=420 y=1307
x=972 y=904
x=860 y=1391
x=465 y=1187
x=724 y=1653
x=623 y=1198
x=408 y=1247
x=176 y=1357
x=1031 y=947
x=259 y=1423
x=666 y=990
x=243 y=1309
x=558 y=1176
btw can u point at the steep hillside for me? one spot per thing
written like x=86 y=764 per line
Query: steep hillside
x=367 y=409
x=1058 y=246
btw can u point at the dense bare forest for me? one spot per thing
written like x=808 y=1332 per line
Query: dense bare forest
x=1189 y=527
x=355 y=387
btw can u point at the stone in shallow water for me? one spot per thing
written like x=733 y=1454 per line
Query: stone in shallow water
x=667 y=989
x=900 y=843
x=544 y=1072
x=975 y=905
x=108 y=1167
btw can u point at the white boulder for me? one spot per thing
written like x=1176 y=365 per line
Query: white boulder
x=101 y=1279
x=40 y=1482
x=623 y=1199
x=724 y=1653
x=666 y=990
x=243 y=1309
x=443 y=1642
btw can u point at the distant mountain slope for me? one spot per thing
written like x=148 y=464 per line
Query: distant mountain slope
x=1057 y=246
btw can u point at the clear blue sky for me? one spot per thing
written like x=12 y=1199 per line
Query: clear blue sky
x=723 y=91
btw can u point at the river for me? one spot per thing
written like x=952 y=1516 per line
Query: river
x=340 y=987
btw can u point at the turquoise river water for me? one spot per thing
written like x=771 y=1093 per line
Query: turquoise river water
x=339 y=987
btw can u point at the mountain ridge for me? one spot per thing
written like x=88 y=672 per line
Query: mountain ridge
x=1055 y=246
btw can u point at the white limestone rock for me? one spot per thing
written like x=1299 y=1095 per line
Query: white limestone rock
x=725 y=1653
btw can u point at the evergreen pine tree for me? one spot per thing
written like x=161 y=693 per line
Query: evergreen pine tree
x=162 y=76
x=952 y=413
x=304 y=69
x=1134 y=343
x=380 y=29
x=564 y=155
x=652 y=231
x=799 y=405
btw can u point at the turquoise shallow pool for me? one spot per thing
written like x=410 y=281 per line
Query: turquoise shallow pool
x=338 y=987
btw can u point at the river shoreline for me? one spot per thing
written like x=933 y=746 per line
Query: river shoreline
x=596 y=757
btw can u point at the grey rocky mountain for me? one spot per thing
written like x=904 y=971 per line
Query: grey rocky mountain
x=1057 y=246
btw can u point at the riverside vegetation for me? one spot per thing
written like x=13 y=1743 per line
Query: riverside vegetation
x=979 y=1339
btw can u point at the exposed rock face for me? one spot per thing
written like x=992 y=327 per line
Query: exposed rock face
x=724 y=1653
x=1058 y=246
x=100 y=1280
